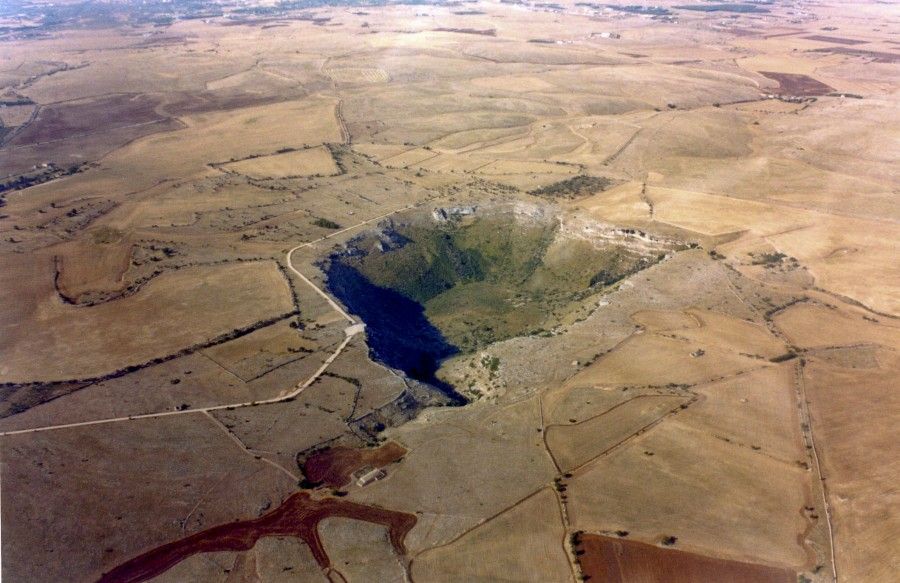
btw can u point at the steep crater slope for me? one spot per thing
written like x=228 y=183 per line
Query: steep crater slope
x=432 y=285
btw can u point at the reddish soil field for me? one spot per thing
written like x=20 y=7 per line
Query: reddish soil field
x=800 y=85
x=835 y=39
x=89 y=146
x=876 y=56
x=333 y=466
x=298 y=516
x=611 y=560
x=66 y=120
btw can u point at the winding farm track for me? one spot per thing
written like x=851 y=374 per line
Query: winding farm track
x=353 y=328
x=297 y=390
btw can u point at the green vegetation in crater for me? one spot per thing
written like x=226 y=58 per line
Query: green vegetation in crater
x=575 y=187
x=491 y=278
x=325 y=223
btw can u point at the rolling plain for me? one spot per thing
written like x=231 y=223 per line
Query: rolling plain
x=449 y=291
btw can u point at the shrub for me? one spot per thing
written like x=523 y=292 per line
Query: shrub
x=325 y=223
x=574 y=187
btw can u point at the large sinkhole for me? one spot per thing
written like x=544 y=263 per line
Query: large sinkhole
x=432 y=285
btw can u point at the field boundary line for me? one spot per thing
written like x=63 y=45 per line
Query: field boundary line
x=806 y=418
x=353 y=329
x=248 y=450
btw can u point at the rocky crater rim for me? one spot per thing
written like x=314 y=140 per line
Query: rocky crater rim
x=435 y=283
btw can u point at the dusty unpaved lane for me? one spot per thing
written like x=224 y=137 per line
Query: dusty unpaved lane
x=352 y=330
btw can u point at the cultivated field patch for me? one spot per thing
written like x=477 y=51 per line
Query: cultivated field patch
x=609 y=560
x=198 y=303
x=358 y=74
x=303 y=162
x=794 y=84
x=525 y=544
x=711 y=504
x=580 y=441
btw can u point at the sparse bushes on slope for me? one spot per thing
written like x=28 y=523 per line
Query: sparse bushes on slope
x=577 y=186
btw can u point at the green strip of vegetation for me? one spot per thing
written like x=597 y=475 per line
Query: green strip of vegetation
x=325 y=223
x=491 y=278
x=575 y=187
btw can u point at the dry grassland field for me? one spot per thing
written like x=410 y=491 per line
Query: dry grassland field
x=490 y=291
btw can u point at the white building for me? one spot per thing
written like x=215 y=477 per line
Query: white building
x=367 y=475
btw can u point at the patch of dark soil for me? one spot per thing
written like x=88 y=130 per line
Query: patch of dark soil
x=333 y=466
x=799 y=85
x=611 y=560
x=66 y=120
